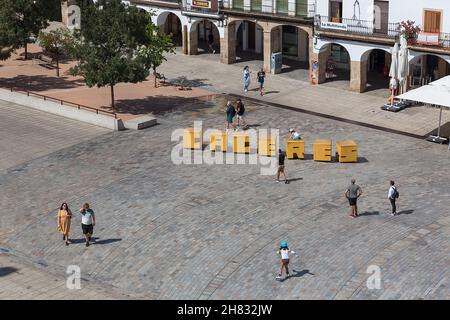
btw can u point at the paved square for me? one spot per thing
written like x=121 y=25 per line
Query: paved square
x=203 y=231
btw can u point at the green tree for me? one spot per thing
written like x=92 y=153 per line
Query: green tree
x=107 y=43
x=20 y=20
x=56 y=42
x=153 y=53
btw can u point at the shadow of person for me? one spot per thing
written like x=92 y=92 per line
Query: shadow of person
x=4 y=271
x=297 y=274
x=405 y=212
x=369 y=213
x=106 y=241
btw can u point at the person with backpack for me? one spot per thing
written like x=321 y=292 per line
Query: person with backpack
x=240 y=109
x=284 y=254
x=261 y=76
x=392 y=196
x=231 y=112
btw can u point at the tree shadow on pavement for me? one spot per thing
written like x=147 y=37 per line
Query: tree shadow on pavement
x=39 y=83
x=185 y=82
x=159 y=105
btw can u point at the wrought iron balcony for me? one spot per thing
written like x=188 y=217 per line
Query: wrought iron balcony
x=356 y=27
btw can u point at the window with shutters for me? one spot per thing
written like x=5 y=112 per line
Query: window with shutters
x=301 y=7
x=335 y=10
x=432 y=21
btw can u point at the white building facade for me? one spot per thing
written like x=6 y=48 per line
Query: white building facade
x=353 y=39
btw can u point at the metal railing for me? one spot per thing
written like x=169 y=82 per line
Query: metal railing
x=353 y=26
x=444 y=40
x=64 y=102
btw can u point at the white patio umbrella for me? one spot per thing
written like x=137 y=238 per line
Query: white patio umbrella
x=393 y=72
x=436 y=93
x=403 y=63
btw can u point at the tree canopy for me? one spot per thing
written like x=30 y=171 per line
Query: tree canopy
x=20 y=20
x=107 y=43
x=153 y=53
x=56 y=42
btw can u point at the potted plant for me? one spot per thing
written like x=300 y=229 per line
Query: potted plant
x=409 y=31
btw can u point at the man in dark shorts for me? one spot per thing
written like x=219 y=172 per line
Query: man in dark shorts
x=352 y=193
x=281 y=158
x=240 y=109
x=87 y=222
x=261 y=77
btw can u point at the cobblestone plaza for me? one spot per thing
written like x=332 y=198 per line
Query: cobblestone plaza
x=167 y=231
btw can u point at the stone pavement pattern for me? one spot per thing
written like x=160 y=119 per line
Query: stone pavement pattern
x=169 y=231
x=28 y=134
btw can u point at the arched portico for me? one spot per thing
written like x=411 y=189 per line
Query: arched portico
x=265 y=38
x=425 y=67
x=200 y=32
x=378 y=63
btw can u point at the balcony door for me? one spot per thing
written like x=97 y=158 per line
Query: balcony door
x=432 y=21
x=335 y=10
x=381 y=16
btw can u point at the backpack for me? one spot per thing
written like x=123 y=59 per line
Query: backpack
x=241 y=109
x=395 y=194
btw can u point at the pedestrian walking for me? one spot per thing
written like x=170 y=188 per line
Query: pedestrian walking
x=352 y=193
x=64 y=220
x=231 y=112
x=87 y=222
x=246 y=78
x=240 y=110
x=211 y=43
x=284 y=251
x=261 y=76
x=281 y=158
x=392 y=196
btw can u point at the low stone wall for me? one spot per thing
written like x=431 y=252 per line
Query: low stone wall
x=90 y=117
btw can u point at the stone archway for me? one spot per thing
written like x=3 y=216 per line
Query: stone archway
x=424 y=68
x=377 y=65
x=294 y=42
x=170 y=23
x=335 y=65
x=199 y=36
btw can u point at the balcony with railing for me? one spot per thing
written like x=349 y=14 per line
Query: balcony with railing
x=282 y=8
x=356 y=27
x=432 y=41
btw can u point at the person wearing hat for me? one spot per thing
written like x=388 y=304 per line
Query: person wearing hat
x=294 y=134
x=284 y=253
